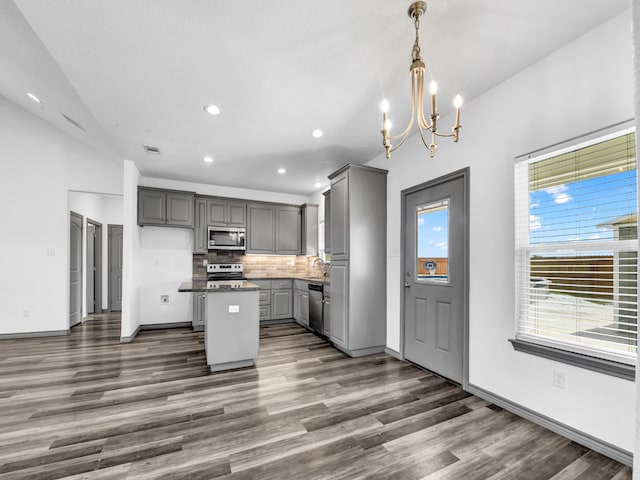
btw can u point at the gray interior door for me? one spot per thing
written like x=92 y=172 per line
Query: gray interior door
x=435 y=277
x=91 y=268
x=115 y=267
x=75 y=269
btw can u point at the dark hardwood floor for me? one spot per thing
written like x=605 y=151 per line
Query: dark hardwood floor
x=87 y=407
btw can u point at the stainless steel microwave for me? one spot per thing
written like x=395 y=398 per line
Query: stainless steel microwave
x=225 y=238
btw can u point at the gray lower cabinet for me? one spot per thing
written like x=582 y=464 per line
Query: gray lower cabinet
x=200 y=226
x=301 y=302
x=281 y=304
x=264 y=298
x=158 y=207
x=281 y=299
x=358 y=308
x=199 y=310
x=326 y=310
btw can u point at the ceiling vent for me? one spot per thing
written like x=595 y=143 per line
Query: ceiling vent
x=73 y=122
x=150 y=149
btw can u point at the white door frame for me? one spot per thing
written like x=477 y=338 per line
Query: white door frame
x=464 y=174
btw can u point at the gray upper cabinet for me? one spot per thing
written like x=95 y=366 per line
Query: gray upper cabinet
x=226 y=213
x=273 y=229
x=358 y=224
x=309 y=235
x=340 y=216
x=165 y=207
x=200 y=226
x=327 y=221
x=288 y=230
x=261 y=237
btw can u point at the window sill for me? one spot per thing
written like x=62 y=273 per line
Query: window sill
x=608 y=367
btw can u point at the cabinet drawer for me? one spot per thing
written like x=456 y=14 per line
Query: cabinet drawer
x=264 y=312
x=300 y=284
x=264 y=297
x=280 y=284
x=263 y=284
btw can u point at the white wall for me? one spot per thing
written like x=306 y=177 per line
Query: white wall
x=161 y=257
x=585 y=86
x=40 y=165
x=104 y=209
x=635 y=9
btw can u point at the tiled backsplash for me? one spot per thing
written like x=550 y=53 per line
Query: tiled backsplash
x=260 y=265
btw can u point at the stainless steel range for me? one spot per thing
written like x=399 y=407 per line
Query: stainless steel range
x=225 y=274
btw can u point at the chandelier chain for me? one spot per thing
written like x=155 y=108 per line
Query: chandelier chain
x=416 y=46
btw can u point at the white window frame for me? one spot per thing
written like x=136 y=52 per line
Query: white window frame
x=622 y=366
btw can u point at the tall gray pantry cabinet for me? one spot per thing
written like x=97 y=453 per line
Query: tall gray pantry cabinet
x=358 y=229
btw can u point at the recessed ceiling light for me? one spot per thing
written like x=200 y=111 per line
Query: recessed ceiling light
x=212 y=109
x=317 y=133
x=282 y=171
x=208 y=159
x=33 y=97
x=317 y=184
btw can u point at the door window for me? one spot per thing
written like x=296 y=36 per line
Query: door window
x=432 y=242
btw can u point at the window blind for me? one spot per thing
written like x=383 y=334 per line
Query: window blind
x=577 y=248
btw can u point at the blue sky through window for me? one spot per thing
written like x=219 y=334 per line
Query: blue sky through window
x=433 y=233
x=577 y=211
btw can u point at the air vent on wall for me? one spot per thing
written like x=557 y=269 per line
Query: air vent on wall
x=150 y=149
x=73 y=122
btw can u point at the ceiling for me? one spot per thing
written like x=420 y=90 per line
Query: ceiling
x=138 y=72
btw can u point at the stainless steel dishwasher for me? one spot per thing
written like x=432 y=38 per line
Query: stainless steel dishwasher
x=315 y=308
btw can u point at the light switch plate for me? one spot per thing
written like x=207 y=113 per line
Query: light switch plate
x=234 y=308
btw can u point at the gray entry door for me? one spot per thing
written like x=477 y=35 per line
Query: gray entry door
x=91 y=268
x=115 y=267
x=435 y=276
x=75 y=269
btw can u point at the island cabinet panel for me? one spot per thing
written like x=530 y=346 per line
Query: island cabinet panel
x=165 y=207
x=261 y=229
x=200 y=226
x=288 y=230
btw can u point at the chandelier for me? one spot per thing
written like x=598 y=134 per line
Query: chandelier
x=417 y=93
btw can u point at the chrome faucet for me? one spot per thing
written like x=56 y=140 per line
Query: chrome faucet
x=323 y=266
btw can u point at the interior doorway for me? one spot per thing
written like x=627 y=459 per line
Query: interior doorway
x=115 y=267
x=75 y=269
x=435 y=275
x=94 y=267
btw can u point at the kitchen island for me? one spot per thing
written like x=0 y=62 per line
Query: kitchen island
x=232 y=325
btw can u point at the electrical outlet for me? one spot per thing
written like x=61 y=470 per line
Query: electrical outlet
x=292 y=262
x=559 y=378
x=204 y=262
x=234 y=308
x=164 y=299
x=26 y=313
x=51 y=252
